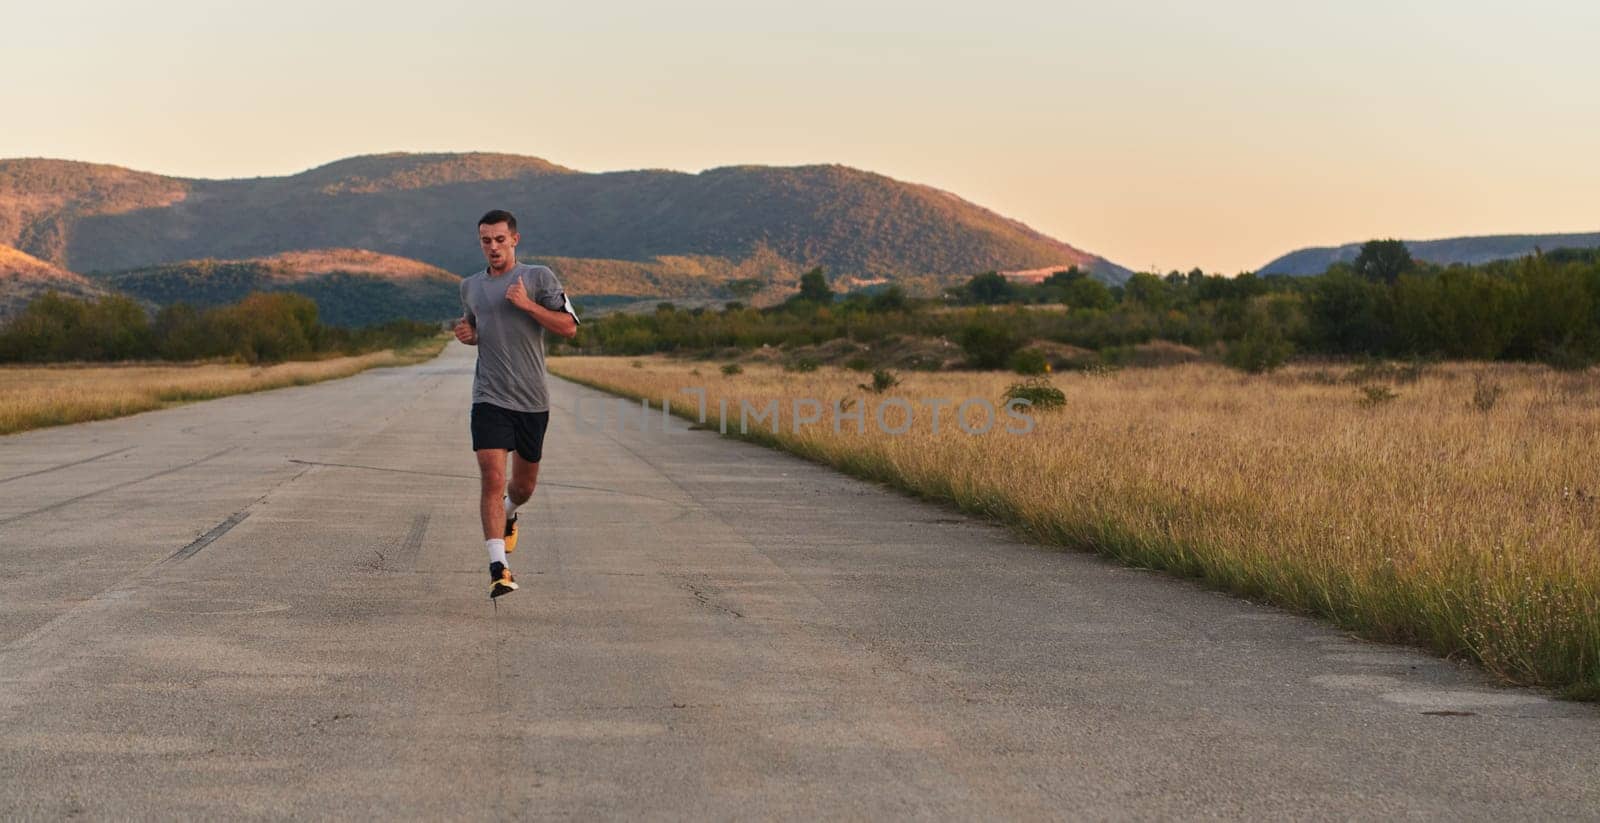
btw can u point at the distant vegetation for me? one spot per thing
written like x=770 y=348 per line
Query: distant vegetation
x=261 y=328
x=1545 y=307
x=1443 y=252
x=350 y=287
x=24 y=277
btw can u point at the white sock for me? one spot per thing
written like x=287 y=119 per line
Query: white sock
x=511 y=507
x=497 y=550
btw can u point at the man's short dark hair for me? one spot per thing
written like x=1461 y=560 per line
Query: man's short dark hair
x=499 y=216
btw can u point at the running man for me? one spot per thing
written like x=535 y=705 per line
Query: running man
x=507 y=308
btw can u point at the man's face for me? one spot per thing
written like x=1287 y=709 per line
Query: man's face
x=499 y=244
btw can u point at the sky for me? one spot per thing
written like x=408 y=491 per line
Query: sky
x=1161 y=135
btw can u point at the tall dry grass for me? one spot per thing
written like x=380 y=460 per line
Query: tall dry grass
x=1458 y=509
x=33 y=397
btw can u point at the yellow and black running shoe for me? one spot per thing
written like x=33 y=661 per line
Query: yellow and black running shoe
x=500 y=580
x=511 y=534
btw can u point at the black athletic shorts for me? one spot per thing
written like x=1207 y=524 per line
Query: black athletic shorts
x=497 y=428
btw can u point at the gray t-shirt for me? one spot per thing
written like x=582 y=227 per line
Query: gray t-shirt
x=511 y=371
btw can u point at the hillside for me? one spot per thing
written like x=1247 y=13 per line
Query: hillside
x=352 y=287
x=1469 y=250
x=642 y=229
x=42 y=201
x=24 y=277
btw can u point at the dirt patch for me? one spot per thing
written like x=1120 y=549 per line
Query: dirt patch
x=1158 y=353
x=1064 y=357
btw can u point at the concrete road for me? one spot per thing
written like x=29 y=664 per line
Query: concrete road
x=275 y=606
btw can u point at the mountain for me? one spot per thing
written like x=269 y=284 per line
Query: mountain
x=24 y=277
x=1470 y=250
x=42 y=201
x=634 y=232
x=352 y=287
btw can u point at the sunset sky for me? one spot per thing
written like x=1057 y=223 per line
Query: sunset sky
x=1159 y=134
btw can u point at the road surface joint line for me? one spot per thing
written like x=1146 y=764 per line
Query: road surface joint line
x=69 y=501
x=68 y=465
x=125 y=588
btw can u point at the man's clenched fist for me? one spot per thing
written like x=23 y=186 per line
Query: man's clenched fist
x=465 y=332
x=518 y=295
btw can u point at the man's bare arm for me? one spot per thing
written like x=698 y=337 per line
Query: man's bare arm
x=557 y=322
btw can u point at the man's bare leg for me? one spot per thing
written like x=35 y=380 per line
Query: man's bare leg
x=518 y=491
x=492 y=475
x=492 y=478
x=524 y=476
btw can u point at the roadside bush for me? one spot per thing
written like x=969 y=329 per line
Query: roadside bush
x=56 y=327
x=262 y=328
x=1037 y=391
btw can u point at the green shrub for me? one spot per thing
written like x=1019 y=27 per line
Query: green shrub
x=1373 y=396
x=1037 y=391
x=989 y=343
x=731 y=369
x=635 y=341
x=1030 y=362
x=882 y=381
x=1259 y=352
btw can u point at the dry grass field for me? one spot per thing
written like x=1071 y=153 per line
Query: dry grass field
x=1456 y=507
x=32 y=397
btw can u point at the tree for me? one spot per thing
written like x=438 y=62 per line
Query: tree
x=890 y=299
x=1088 y=293
x=116 y=328
x=989 y=343
x=814 y=288
x=1383 y=261
x=1461 y=312
x=1147 y=289
x=47 y=329
x=1065 y=278
x=1349 y=315
x=989 y=288
x=1557 y=309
